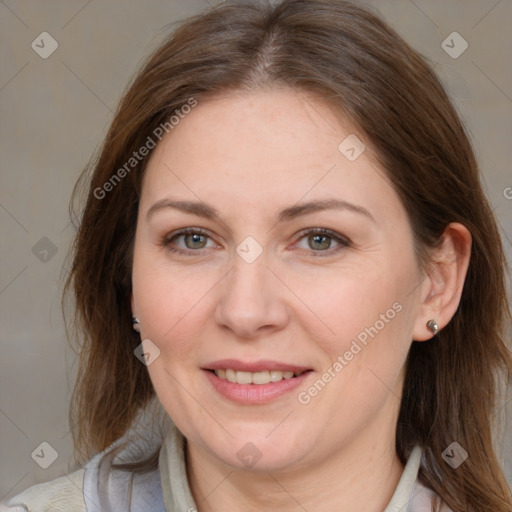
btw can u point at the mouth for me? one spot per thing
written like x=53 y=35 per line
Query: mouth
x=256 y=378
x=254 y=383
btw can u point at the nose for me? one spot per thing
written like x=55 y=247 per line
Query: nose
x=252 y=300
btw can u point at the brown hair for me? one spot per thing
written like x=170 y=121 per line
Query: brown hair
x=352 y=60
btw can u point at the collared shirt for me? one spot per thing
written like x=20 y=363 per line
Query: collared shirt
x=100 y=488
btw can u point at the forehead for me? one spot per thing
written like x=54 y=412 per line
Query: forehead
x=263 y=149
x=263 y=128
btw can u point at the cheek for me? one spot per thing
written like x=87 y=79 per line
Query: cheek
x=351 y=306
x=368 y=320
x=364 y=358
x=168 y=302
x=171 y=307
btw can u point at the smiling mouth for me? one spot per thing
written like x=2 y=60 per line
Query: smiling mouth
x=257 y=378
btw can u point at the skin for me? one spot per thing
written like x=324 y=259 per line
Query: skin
x=250 y=155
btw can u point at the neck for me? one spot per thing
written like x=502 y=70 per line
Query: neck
x=361 y=477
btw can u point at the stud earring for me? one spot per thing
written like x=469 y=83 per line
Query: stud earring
x=135 y=324
x=433 y=327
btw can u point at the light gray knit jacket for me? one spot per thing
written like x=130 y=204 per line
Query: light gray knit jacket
x=99 y=488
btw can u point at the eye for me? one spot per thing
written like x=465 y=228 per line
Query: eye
x=187 y=241
x=321 y=240
x=318 y=240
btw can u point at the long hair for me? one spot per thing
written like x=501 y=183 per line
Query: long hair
x=350 y=59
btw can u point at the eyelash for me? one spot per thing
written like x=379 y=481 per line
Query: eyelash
x=342 y=241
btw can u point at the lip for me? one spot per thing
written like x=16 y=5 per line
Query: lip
x=253 y=394
x=254 y=366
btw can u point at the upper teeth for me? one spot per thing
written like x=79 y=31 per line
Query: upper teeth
x=253 y=378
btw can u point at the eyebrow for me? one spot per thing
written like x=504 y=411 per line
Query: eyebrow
x=208 y=212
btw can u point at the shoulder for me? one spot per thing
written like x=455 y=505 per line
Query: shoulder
x=99 y=481
x=63 y=494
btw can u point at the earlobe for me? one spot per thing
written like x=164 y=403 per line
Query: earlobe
x=444 y=282
x=135 y=320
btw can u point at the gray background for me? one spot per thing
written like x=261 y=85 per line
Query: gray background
x=54 y=113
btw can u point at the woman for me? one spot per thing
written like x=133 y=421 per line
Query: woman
x=289 y=281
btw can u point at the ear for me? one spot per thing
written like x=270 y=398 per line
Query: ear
x=444 y=281
x=132 y=302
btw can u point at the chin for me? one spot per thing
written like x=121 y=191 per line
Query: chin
x=258 y=449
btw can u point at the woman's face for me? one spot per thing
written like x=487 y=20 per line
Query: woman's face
x=299 y=260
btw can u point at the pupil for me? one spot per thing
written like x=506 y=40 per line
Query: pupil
x=322 y=240
x=195 y=240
